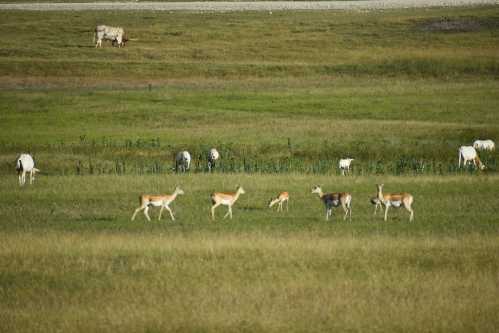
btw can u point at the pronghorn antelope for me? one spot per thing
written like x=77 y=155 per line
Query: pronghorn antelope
x=395 y=200
x=226 y=199
x=377 y=204
x=484 y=145
x=213 y=155
x=147 y=200
x=25 y=163
x=280 y=199
x=344 y=165
x=469 y=155
x=334 y=200
x=182 y=161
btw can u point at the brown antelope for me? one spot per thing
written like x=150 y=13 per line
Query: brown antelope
x=147 y=200
x=226 y=199
x=280 y=199
x=334 y=200
x=395 y=200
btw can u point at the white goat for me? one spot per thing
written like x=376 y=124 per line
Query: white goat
x=25 y=163
x=213 y=155
x=484 y=145
x=468 y=154
x=183 y=161
x=344 y=165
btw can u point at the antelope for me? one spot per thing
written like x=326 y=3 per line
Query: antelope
x=484 y=145
x=147 y=200
x=376 y=202
x=25 y=163
x=344 y=165
x=468 y=154
x=213 y=155
x=226 y=199
x=395 y=200
x=334 y=200
x=280 y=199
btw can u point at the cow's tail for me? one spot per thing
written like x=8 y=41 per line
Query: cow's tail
x=36 y=170
x=459 y=158
x=19 y=165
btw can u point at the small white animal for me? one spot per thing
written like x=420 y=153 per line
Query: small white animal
x=344 y=165
x=469 y=155
x=395 y=200
x=163 y=201
x=280 y=199
x=25 y=163
x=226 y=199
x=334 y=200
x=484 y=145
x=213 y=155
x=183 y=161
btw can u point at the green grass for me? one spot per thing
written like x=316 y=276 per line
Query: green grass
x=72 y=260
x=283 y=97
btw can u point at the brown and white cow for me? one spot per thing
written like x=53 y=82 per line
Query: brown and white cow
x=115 y=34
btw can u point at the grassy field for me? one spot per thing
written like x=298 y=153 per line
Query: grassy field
x=73 y=261
x=283 y=97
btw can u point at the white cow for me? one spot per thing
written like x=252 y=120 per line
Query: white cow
x=115 y=34
x=344 y=165
x=25 y=163
x=213 y=155
x=484 y=145
x=468 y=154
x=183 y=161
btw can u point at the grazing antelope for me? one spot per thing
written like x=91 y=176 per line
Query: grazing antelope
x=334 y=200
x=147 y=200
x=213 y=155
x=395 y=200
x=226 y=199
x=25 y=163
x=377 y=203
x=344 y=165
x=468 y=154
x=280 y=199
x=484 y=145
x=182 y=161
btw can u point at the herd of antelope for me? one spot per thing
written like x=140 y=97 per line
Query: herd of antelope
x=468 y=154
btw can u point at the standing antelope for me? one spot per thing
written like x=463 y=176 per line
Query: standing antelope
x=147 y=200
x=213 y=155
x=226 y=199
x=25 y=163
x=334 y=200
x=280 y=199
x=395 y=200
